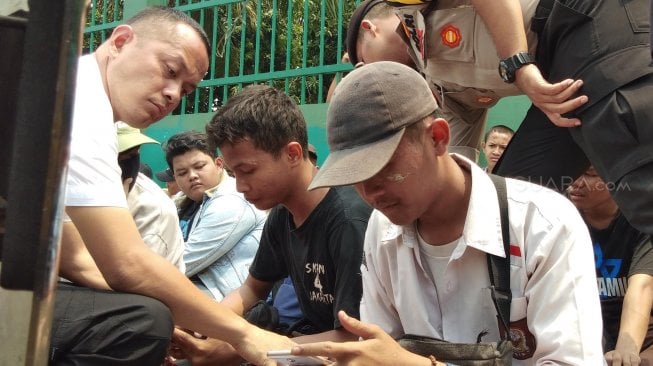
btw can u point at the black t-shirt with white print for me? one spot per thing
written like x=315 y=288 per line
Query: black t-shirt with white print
x=322 y=256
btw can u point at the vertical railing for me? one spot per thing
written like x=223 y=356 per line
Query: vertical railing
x=295 y=45
x=289 y=32
x=102 y=17
x=322 y=30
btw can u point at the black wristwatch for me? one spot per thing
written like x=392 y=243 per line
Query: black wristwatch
x=509 y=66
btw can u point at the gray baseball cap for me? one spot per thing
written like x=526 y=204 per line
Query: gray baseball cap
x=367 y=116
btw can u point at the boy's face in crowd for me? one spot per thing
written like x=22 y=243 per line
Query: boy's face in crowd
x=494 y=147
x=146 y=76
x=195 y=172
x=398 y=190
x=589 y=190
x=260 y=177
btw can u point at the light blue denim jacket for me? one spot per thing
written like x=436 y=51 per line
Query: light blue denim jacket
x=224 y=239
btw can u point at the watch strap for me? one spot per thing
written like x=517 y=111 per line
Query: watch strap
x=514 y=63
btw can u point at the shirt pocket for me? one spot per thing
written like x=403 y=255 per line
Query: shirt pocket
x=450 y=34
x=637 y=14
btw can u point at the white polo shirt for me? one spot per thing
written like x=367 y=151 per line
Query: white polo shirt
x=553 y=283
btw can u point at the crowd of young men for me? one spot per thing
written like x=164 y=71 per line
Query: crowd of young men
x=417 y=264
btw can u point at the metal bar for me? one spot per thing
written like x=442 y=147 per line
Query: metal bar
x=91 y=39
x=105 y=7
x=212 y=56
x=273 y=36
x=320 y=77
x=286 y=74
x=42 y=134
x=302 y=96
x=257 y=51
x=227 y=57
x=243 y=31
x=341 y=12
x=116 y=6
x=12 y=40
x=207 y=3
x=252 y=50
x=92 y=10
x=289 y=31
x=197 y=94
x=101 y=27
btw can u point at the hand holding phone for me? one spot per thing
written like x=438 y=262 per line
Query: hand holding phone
x=284 y=357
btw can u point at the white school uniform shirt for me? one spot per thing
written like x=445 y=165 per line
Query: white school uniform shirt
x=553 y=281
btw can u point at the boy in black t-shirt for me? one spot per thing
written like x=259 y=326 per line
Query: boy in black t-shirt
x=315 y=237
x=624 y=271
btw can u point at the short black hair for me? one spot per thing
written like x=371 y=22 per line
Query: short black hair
x=264 y=115
x=184 y=142
x=367 y=9
x=499 y=129
x=158 y=14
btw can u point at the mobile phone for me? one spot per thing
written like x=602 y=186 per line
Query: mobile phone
x=284 y=357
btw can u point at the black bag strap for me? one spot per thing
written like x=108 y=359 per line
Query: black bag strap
x=499 y=267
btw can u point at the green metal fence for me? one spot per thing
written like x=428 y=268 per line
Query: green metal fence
x=295 y=46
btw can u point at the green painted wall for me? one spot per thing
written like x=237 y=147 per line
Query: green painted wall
x=315 y=115
x=509 y=111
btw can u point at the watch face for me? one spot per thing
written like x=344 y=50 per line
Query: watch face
x=504 y=72
x=509 y=66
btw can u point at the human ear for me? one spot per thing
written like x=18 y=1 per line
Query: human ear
x=120 y=36
x=219 y=162
x=294 y=152
x=438 y=134
x=368 y=26
x=439 y=129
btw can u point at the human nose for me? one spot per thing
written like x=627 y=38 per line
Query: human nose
x=193 y=174
x=172 y=93
x=241 y=185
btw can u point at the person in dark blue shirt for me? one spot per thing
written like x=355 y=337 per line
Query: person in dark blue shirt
x=624 y=270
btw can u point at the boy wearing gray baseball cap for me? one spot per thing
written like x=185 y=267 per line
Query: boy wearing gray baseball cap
x=436 y=220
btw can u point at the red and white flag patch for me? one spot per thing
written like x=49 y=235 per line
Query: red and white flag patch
x=515 y=255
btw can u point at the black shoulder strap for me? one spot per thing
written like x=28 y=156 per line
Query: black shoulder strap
x=499 y=267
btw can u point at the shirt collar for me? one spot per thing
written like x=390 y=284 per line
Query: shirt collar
x=225 y=180
x=482 y=228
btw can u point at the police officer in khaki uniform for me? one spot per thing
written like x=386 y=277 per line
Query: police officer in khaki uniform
x=453 y=49
x=584 y=65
